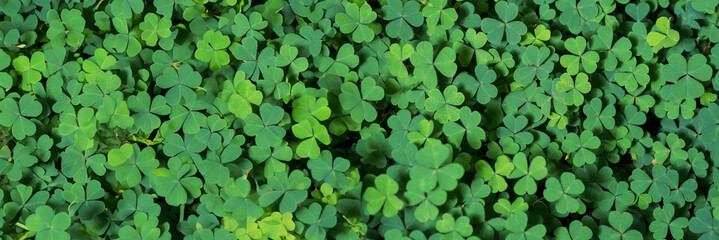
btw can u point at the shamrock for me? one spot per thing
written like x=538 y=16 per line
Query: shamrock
x=612 y=54
x=534 y=65
x=154 y=28
x=574 y=88
x=131 y=203
x=581 y=145
x=311 y=132
x=514 y=128
x=212 y=49
x=66 y=27
x=675 y=151
x=528 y=174
x=480 y=86
x=291 y=188
x=620 y=223
x=663 y=37
x=382 y=196
x=618 y=196
x=435 y=12
x=444 y=104
x=318 y=218
x=76 y=164
x=598 y=118
x=264 y=127
x=86 y=200
x=564 y=194
x=181 y=83
x=238 y=203
x=147 y=112
x=495 y=177
x=277 y=225
x=470 y=120
x=517 y=224
x=703 y=223
x=396 y=56
x=288 y=56
x=403 y=18
x=426 y=68
x=130 y=163
x=308 y=106
x=575 y=15
x=250 y=26
x=80 y=127
x=345 y=60
x=358 y=21
x=253 y=59
x=241 y=95
x=145 y=226
x=432 y=171
x=30 y=69
x=686 y=76
x=358 y=103
x=45 y=224
x=14 y=114
x=175 y=182
x=426 y=201
x=665 y=222
x=588 y=60
x=325 y=168
x=504 y=28
x=631 y=75
x=454 y=228
x=576 y=231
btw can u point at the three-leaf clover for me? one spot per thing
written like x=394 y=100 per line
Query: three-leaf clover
x=563 y=194
x=587 y=60
x=212 y=49
x=403 y=18
x=574 y=88
x=528 y=173
x=357 y=20
x=583 y=146
x=426 y=65
x=358 y=103
x=504 y=28
x=664 y=37
x=620 y=223
x=176 y=181
x=382 y=196
x=14 y=114
x=45 y=224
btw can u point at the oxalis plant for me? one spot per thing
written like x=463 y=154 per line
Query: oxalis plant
x=329 y=119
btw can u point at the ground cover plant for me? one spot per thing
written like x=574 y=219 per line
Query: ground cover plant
x=331 y=119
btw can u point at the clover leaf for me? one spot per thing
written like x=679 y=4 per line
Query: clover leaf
x=504 y=28
x=14 y=114
x=403 y=17
x=664 y=37
x=587 y=60
x=211 y=49
x=426 y=66
x=564 y=193
x=175 y=182
x=46 y=224
x=357 y=20
x=382 y=196
x=620 y=223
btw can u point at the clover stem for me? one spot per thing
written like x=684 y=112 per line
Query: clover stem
x=98 y=4
x=20 y=225
x=182 y=212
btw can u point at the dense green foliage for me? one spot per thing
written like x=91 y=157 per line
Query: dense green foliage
x=331 y=119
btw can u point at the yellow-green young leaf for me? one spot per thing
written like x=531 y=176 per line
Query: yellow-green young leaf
x=120 y=155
